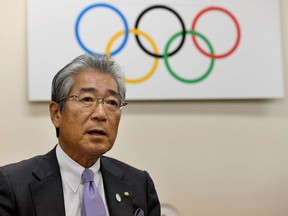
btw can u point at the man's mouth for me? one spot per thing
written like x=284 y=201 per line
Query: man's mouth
x=97 y=132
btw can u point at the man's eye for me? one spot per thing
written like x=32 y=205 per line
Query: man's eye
x=87 y=99
x=112 y=103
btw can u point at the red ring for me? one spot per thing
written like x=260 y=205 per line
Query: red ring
x=214 y=56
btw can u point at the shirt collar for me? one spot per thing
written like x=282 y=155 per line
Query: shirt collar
x=71 y=171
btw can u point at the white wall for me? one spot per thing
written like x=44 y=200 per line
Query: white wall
x=207 y=158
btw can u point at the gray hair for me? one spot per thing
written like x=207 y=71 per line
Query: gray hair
x=64 y=80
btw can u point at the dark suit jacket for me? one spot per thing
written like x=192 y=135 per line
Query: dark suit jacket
x=34 y=187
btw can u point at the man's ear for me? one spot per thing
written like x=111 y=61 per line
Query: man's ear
x=55 y=113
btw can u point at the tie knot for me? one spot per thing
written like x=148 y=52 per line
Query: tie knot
x=87 y=175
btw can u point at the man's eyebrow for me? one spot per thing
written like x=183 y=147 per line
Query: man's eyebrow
x=90 y=89
x=114 y=93
x=94 y=90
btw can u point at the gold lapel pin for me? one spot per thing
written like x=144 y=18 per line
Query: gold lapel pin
x=126 y=194
x=118 y=198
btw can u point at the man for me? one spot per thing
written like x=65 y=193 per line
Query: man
x=85 y=108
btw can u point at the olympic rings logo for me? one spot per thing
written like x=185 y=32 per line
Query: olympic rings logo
x=166 y=53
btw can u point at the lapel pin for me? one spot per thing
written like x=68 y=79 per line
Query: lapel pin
x=126 y=194
x=118 y=198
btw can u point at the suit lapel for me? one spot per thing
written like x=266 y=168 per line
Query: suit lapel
x=47 y=192
x=118 y=192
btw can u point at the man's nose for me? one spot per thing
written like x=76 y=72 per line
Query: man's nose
x=99 y=111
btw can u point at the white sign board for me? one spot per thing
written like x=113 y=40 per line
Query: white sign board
x=170 y=49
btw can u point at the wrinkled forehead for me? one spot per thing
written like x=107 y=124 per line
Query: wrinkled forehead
x=95 y=82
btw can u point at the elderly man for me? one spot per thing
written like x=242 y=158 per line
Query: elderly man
x=74 y=179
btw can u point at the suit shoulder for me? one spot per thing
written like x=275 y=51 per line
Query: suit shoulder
x=13 y=167
x=112 y=162
x=25 y=166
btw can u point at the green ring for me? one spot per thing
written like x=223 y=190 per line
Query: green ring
x=170 y=69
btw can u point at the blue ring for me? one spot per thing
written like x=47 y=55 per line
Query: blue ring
x=86 y=49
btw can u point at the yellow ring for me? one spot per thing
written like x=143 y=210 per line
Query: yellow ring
x=155 y=64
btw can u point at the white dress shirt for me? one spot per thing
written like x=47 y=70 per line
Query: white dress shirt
x=72 y=184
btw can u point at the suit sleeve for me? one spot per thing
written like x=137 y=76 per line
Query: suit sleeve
x=153 y=201
x=7 y=201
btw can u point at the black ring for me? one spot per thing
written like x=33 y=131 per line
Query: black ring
x=182 y=24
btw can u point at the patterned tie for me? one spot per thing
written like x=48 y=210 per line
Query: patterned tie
x=92 y=202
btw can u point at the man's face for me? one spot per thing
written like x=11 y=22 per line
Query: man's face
x=87 y=133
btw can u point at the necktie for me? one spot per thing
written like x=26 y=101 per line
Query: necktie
x=92 y=202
